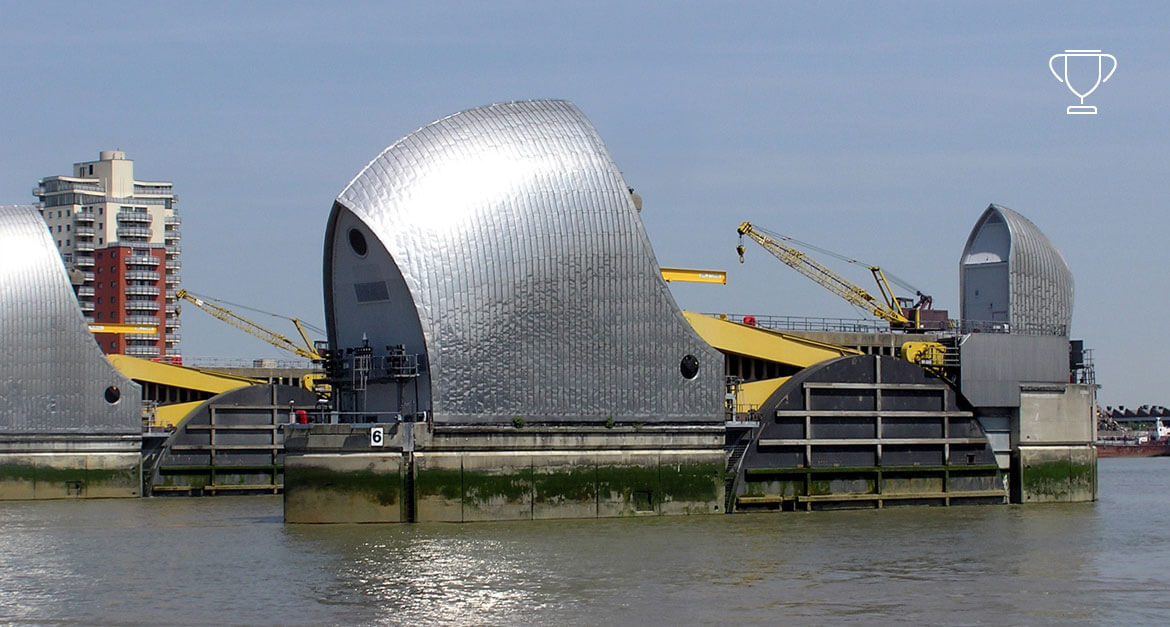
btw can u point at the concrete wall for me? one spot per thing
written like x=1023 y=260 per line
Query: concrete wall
x=48 y=467
x=465 y=474
x=1056 y=414
x=1055 y=474
x=1053 y=435
x=477 y=486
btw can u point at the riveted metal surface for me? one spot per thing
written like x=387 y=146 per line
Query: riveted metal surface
x=53 y=376
x=1040 y=284
x=532 y=286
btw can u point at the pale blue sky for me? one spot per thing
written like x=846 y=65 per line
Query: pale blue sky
x=880 y=131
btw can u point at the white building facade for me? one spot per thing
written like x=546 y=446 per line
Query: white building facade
x=119 y=238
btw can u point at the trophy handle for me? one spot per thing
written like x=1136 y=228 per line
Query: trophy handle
x=1111 y=58
x=1056 y=56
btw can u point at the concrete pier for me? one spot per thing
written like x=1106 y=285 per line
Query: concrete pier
x=44 y=466
x=466 y=473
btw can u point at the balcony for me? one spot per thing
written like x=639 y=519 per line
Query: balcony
x=87 y=276
x=142 y=260
x=157 y=190
x=172 y=294
x=134 y=217
x=133 y=231
x=146 y=337
x=141 y=305
x=173 y=249
x=85 y=291
x=83 y=247
x=83 y=261
x=170 y=235
x=173 y=279
x=143 y=350
x=151 y=320
x=84 y=231
x=54 y=185
x=85 y=305
x=174 y=264
x=172 y=310
x=83 y=216
x=141 y=275
x=172 y=220
x=172 y=337
x=141 y=290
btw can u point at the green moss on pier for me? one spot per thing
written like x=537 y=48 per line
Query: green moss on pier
x=385 y=489
x=696 y=483
x=1057 y=480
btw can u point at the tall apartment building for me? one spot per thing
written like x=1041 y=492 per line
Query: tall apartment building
x=119 y=237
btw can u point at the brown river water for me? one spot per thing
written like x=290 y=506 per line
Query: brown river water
x=231 y=560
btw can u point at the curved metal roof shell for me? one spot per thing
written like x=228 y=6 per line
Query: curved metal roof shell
x=1040 y=284
x=533 y=288
x=53 y=376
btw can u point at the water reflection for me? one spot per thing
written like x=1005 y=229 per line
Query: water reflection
x=232 y=560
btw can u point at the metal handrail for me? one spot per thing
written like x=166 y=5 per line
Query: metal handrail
x=807 y=323
x=1003 y=326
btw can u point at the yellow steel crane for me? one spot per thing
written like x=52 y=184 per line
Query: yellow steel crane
x=312 y=382
x=247 y=326
x=887 y=308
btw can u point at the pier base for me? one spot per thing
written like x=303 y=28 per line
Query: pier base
x=70 y=466
x=467 y=473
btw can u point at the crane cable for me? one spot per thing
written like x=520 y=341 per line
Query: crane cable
x=307 y=325
x=900 y=282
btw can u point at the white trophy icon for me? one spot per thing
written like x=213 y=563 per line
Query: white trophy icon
x=1082 y=109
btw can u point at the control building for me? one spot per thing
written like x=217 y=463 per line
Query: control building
x=119 y=238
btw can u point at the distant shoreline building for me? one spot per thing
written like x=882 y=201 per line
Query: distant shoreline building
x=119 y=238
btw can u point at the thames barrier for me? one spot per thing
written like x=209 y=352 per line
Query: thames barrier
x=502 y=344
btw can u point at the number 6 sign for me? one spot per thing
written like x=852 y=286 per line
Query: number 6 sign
x=377 y=436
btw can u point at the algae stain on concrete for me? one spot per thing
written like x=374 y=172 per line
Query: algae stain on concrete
x=630 y=485
x=573 y=485
x=480 y=488
x=447 y=484
x=382 y=488
x=1056 y=480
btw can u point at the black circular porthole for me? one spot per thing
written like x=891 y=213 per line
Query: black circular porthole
x=689 y=367
x=357 y=242
x=113 y=394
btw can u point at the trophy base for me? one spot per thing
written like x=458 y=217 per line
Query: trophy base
x=1082 y=110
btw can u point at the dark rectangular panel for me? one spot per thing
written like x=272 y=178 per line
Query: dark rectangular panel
x=843 y=456
x=842 y=399
x=912 y=400
x=843 y=427
x=912 y=455
x=372 y=292
x=913 y=427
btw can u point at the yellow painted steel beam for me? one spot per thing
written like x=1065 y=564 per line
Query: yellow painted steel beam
x=753 y=393
x=687 y=275
x=177 y=376
x=123 y=328
x=732 y=337
x=172 y=415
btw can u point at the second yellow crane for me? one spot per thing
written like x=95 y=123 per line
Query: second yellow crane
x=887 y=307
